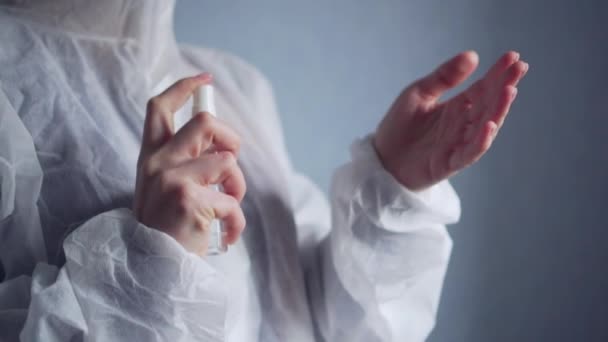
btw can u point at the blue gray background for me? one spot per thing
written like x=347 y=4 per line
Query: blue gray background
x=530 y=255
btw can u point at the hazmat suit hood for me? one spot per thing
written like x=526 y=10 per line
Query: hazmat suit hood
x=146 y=25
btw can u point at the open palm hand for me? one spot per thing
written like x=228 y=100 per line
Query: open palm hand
x=422 y=141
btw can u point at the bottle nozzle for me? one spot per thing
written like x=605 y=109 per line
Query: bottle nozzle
x=202 y=100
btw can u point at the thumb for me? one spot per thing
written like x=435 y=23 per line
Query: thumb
x=446 y=76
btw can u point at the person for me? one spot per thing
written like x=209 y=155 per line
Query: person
x=105 y=204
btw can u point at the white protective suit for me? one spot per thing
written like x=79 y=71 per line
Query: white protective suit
x=75 y=77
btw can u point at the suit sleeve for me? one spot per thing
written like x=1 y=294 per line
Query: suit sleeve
x=378 y=272
x=121 y=280
x=375 y=253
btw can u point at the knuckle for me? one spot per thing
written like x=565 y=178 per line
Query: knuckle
x=166 y=181
x=206 y=176
x=198 y=225
x=154 y=104
x=204 y=122
x=234 y=203
x=204 y=119
x=443 y=79
x=242 y=224
x=202 y=224
x=148 y=168
x=227 y=159
x=182 y=198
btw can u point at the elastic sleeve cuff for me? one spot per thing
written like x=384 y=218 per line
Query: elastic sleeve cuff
x=386 y=201
x=121 y=268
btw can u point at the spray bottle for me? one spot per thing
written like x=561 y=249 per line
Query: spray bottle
x=203 y=101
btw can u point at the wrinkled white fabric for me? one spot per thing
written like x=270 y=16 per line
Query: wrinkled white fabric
x=367 y=265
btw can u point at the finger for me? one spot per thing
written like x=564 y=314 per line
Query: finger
x=478 y=107
x=200 y=133
x=503 y=91
x=216 y=168
x=158 y=125
x=501 y=65
x=503 y=103
x=227 y=209
x=514 y=73
x=469 y=153
x=492 y=75
x=174 y=97
x=448 y=75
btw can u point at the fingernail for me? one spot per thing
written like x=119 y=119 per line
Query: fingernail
x=514 y=93
x=526 y=67
x=205 y=76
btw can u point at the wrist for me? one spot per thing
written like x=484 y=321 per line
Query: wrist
x=393 y=163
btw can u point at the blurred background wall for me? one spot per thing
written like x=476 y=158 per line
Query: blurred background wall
x=530 y=260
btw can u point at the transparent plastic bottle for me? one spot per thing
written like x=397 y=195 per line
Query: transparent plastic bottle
x=203 y=101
